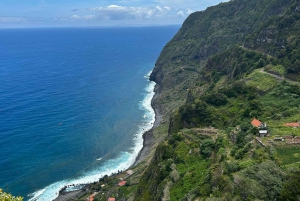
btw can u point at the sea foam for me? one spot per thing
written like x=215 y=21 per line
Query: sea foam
x=122 y=162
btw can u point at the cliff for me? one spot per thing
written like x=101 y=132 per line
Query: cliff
x=225 y=67
x=266 y=26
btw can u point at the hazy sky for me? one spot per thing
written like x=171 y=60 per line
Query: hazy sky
x=43 y=13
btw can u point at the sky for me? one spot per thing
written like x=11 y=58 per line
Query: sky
x=64 y=13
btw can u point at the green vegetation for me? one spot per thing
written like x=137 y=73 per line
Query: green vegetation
x=288 y=155
x=291 y=188
x=261 y=81
x=275 y=69
x=226 y=66
x=239 y=52
x=8 y=197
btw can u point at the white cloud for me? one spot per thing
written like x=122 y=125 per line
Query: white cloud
x=75 y=17
x=189 y=11
x=13 y=19
x=115 y=12
x=120 y=12
x=167 y=8
x=195 y=4
x=158 y=8
x=84 y=17
x=180 y=14
x=89 y=17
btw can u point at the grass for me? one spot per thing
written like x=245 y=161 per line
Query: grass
x=288 y=155
x=283 y=130
x=280 y=107
x=192 y=167
x=261 y=81
x=160 y=131
x=127 y=190
x=221 y=82
x=279 y=69
x=193 y=174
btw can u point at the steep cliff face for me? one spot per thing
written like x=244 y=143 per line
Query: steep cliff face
x=205 y=33
x=214 y=72
x=261 y=25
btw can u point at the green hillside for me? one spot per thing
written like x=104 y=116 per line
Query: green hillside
x=226 y=66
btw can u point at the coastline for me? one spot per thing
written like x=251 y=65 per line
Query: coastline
x=148 y=141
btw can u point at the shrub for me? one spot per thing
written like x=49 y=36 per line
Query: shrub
x=207 y=147
x=291 y=188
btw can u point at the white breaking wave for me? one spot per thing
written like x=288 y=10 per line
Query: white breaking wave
x=122 y=162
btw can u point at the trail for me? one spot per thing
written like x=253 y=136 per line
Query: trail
x=279 y=77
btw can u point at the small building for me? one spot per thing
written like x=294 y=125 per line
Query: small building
x=111 y=199
x=91 y=197
x=292 y=124
x=122 y=183
x=129 y=172
x=263 y=133
x=278 y=139
x=261 y=126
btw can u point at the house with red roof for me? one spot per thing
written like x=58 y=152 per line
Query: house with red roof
x=257 y=123
x=293 y=124
x=122 y=183
x=261 y=126
x=91 y=197
x=111 y=199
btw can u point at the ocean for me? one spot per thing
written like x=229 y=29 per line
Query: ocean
x=74 y=103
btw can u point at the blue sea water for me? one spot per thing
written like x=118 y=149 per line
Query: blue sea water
x=74 y=103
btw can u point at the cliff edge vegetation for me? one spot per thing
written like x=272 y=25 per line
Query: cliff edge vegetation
x=8 y=197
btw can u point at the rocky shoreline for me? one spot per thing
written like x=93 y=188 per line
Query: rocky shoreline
x=148 y=139
x=148 y=142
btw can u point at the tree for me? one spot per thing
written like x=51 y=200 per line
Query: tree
x=262 y=181
x=207 y=147
x=291 y=188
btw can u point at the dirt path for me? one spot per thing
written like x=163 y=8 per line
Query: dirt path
x=271 y=74
x=279 y=77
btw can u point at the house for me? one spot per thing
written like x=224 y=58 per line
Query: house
x=111 y=199
x=263 y=133
x=129 y=172
x=293 y=124
x=122 y=183
x=257 y=123
x=261 y=126
x=91 y=197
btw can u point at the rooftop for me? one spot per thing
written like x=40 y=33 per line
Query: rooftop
x=122 y=183
x=293 y=124
x=256 y=123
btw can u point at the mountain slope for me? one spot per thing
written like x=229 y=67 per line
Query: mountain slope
x=224 y=67
x=214 y=30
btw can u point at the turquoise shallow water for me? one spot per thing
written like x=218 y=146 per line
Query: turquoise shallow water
x=71 y=102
